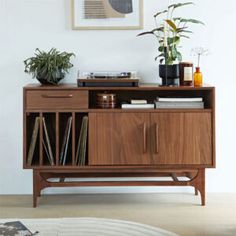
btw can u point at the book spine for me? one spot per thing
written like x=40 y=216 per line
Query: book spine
x=132 y=106
x=180 y=99
x=138 y=102
x=197 y=105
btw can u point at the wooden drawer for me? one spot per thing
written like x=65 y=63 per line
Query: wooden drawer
x=56 y=99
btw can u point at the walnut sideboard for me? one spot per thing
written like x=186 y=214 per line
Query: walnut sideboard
x=121 y=143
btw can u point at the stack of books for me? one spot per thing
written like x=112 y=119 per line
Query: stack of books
x=138 y=104
x=179 y=103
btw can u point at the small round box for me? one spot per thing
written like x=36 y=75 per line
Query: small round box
x=106 y=100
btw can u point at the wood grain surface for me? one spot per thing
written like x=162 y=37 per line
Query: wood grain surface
x=119 y=139
x=53 y=99
x=182 y=138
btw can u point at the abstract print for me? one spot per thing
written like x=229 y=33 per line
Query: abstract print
x=103 y=9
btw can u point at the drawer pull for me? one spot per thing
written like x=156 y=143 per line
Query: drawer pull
x=157 y=138
x=144 y=138
x=57 y=96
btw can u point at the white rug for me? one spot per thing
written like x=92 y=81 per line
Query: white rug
x=90 y=227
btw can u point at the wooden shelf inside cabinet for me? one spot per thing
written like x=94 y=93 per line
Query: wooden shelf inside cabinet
x=66 y=136
x=119 y=110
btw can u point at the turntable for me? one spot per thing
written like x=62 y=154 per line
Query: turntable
x=108 y=79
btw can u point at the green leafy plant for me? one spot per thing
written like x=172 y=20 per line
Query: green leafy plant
x=49 y=67
x=176 y=27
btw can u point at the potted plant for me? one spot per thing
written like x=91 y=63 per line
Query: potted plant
x=169 y=31
x=49 y=67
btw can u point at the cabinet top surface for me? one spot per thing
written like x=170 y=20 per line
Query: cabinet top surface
x=140 y=87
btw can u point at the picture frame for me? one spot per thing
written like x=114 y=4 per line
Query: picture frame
x=107 y=14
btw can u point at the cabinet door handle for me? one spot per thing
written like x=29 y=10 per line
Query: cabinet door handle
x=157 y=138
x=144 y=138
x=57 y=96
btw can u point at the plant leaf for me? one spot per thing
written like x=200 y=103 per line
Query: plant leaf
x=174 y=40
x=161 y=29
x=177 y=18
x=145 y=33
x=161 y=55
x=180 y=5
x=179 y=56
x=158 y=29
x=193 y=21
x=174 y=53
x=161 y=49
x=159 y=13
x=171 y=24
x=183 y=30
x=184 y=36
x=187 y=31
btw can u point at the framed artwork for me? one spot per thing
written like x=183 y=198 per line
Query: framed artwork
x=107 y=14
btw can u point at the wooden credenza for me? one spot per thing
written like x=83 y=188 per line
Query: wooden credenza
x=121 y=143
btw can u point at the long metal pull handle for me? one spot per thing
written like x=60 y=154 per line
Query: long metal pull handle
x=57 y=96
x=157 y=138
x=144 y=138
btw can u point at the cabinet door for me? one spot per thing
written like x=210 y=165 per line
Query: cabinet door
x=182 y=138
x=119 y=139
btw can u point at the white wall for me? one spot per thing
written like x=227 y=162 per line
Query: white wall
x=28 y=24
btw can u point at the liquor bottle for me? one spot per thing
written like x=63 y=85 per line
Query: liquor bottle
x=198 y=77
x=186 y=73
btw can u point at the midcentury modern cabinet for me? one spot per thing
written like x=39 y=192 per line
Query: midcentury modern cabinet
x=120 y=143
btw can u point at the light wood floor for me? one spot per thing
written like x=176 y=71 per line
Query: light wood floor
x=179 y=213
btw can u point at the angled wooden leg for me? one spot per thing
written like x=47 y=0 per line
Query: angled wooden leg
x=39 y=183
x=36 y=187
x=199 y=183
x=191 y=176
